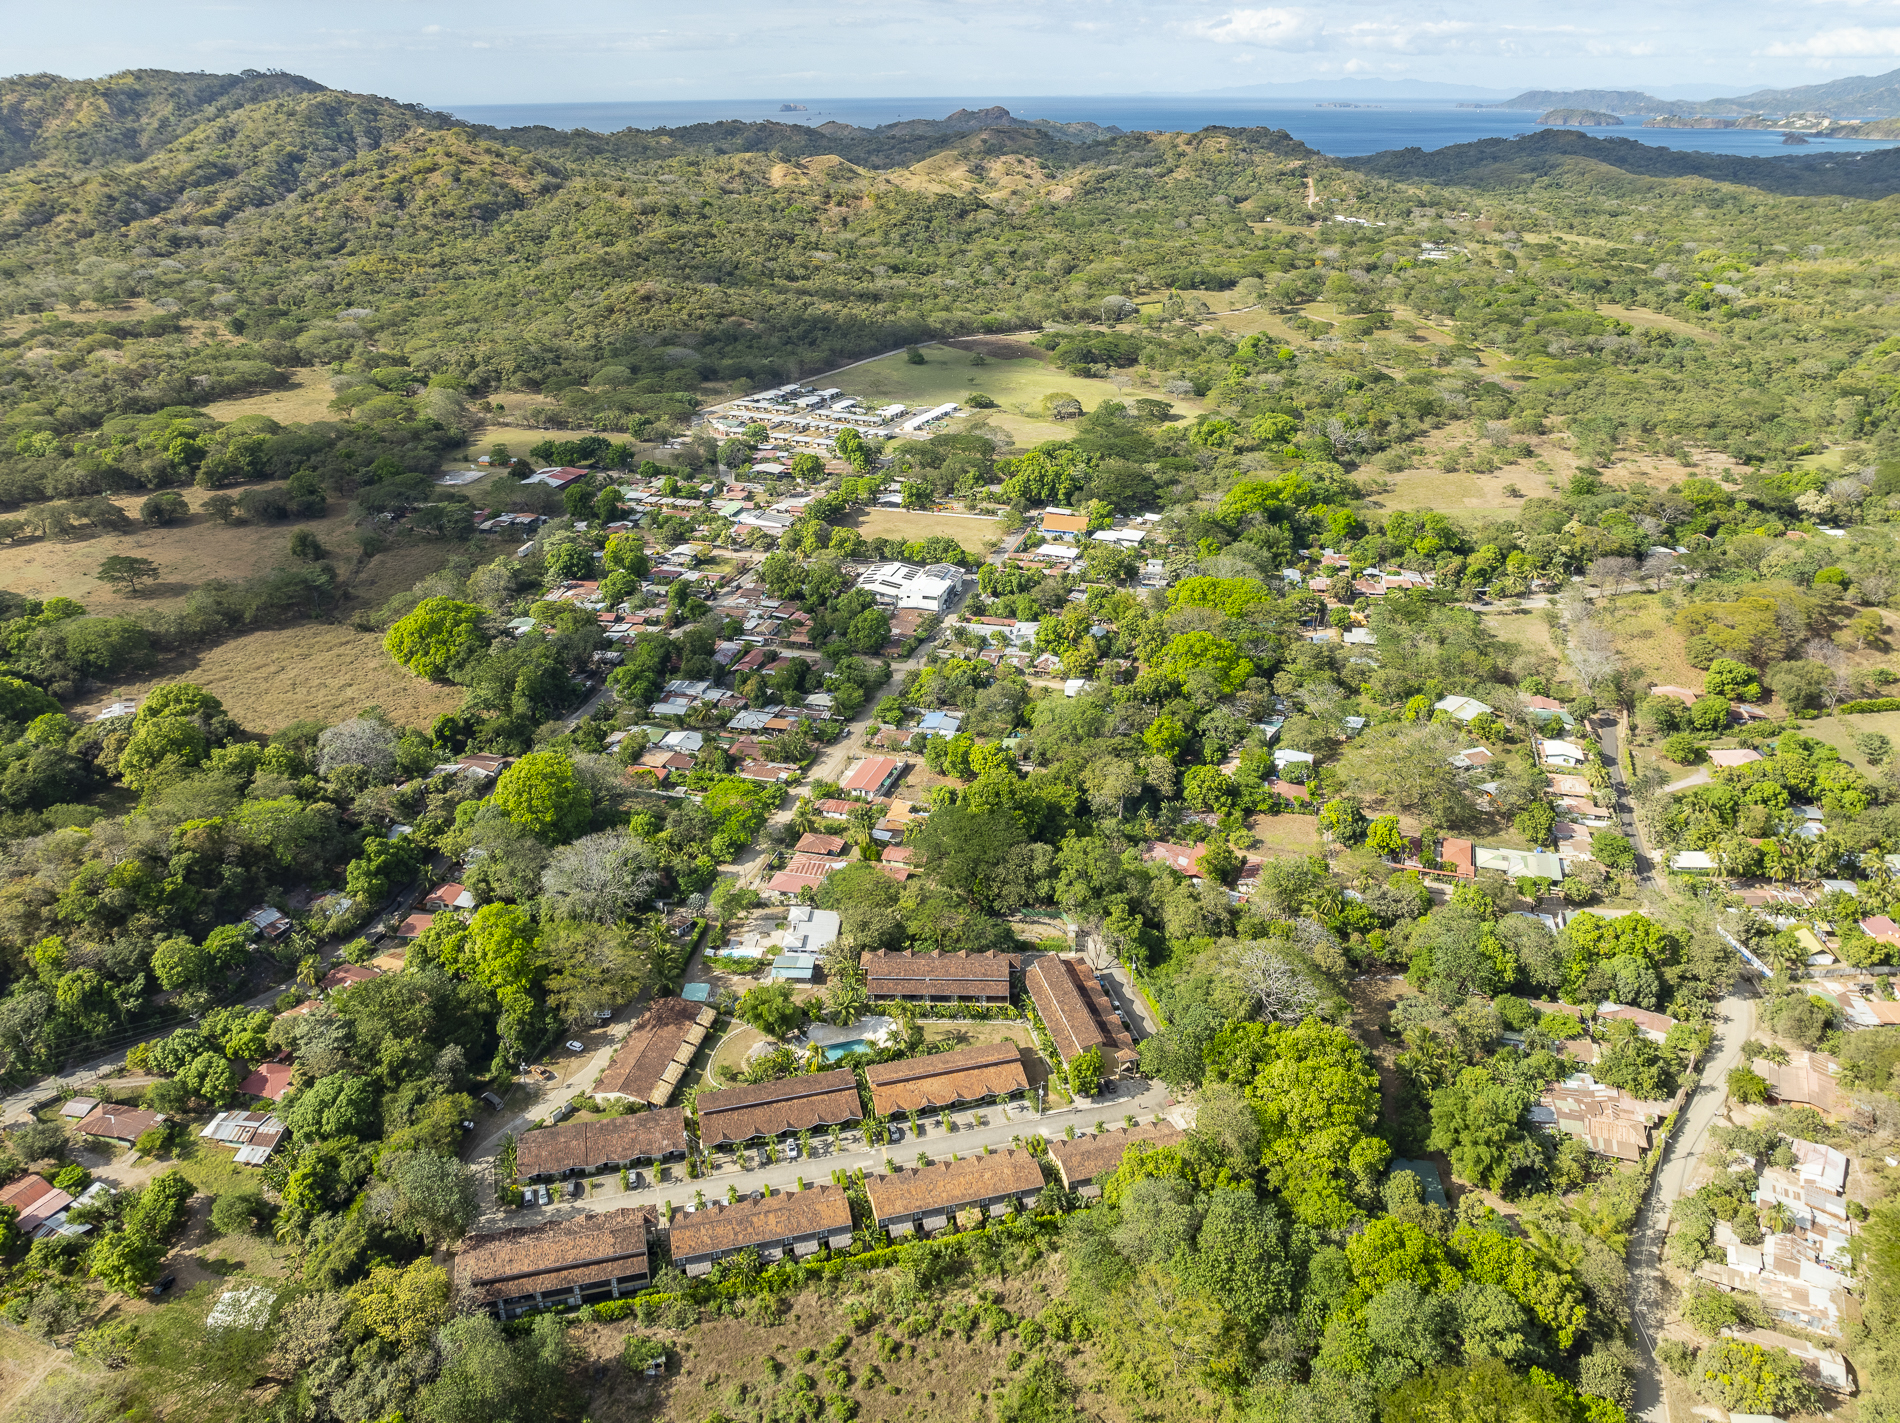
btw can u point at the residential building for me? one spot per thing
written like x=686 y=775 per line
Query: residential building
x=1185 y=859
x=1807 y=1079
x=448 y=896
x=583 y=1260
x=345 y=976
x=928 y=1198
x=873 y=778
x=254 y=1134
x=1536 y=864
x=960 y=977
x=1061 y=521
x=582 y=1148
x=803 y=872
x=821 y=1099
x=1606 y=1119
x=1654 y=1026
x=1786 y=1272
x=1084 y=1161
x=1461 y=708
x=36 y=1199
x=1552 y=752
x=809 y=931
x=1724 y=757
x=802 y=1222
x=813 y=843
x=1078 y=1013
x=126 y=1124
x=946 y=1079
x=931 y=589
x=269 y=1080
x=658 y=1049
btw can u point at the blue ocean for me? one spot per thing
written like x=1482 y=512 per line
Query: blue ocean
x=1343 y=131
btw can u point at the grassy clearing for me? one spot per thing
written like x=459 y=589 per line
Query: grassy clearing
x=187 y=554
x=306 y=399
x=1840 y=731
x=271 y=678
x=1637 y=317
x=1016 y=384
x=1284 y=835
x=973 y=534
x=25 y=1363
x=1526 y=628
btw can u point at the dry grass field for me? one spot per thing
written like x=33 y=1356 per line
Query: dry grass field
x=305 y=399
x=326 y=671
x=905 y=524
x=1017 y=376
x=187 y=554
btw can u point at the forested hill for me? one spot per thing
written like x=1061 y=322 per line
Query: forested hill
x=82 y=123
x=1510 y=162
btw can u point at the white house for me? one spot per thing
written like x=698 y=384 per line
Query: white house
x=932 y=588
x=1464 y=708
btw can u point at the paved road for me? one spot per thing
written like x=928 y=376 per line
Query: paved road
x=1673 y=1179
x=992 y=1126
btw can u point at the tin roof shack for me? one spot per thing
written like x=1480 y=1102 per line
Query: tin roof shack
x=1606 y=1119
x=580 y=1148
x=1654 y=1026
x=938 y=978
x=819 y=1099
x=657 y=1051
x=1080 y=1163
x=570 y=1262
x=1812 y=1190
x=254 y=1134
x=946 y=1079
x=1808 y=1078
x=1787 y=1273
x=1077 y=1012
x=927 y=1198
x=801 y=1222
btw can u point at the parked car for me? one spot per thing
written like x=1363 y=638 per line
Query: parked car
x=575 y=1190
x=491 y=1101
x=547 y=1196
x=897 y=1133
x=576 y=1045
x=159 y=1289
x=603 y=1014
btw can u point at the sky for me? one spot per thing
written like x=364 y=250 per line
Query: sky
x=480 y=52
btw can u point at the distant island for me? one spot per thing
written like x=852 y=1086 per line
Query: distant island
x=1581 y=118
x=1343 y=104
x=791 y=108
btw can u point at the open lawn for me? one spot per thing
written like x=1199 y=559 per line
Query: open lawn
x=25 y=1363
x=1640 y=318
x=1016 y=384
x=271 y=678
x=905 y=524
x=1283 y=835
x=1840 y=731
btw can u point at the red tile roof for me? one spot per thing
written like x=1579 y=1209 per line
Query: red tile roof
x=716 y=1229
x=944 y=1187
x=659 y=1047
x=614 y=1141
x=36 y=1199
x=819 y=1099
x=944 y=1079
x=268 y=1079
x=1087 y=1157
x=1076 y=1011
x=120 y=1123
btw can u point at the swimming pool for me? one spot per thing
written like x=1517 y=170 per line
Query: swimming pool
x=838 y=1050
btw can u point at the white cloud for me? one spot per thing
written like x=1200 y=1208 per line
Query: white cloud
x=1851 y=41
x=1275 y=28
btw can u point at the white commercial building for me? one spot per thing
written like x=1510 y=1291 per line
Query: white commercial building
x=932 y=588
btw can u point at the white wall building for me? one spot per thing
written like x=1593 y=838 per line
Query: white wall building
x=932 y=588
